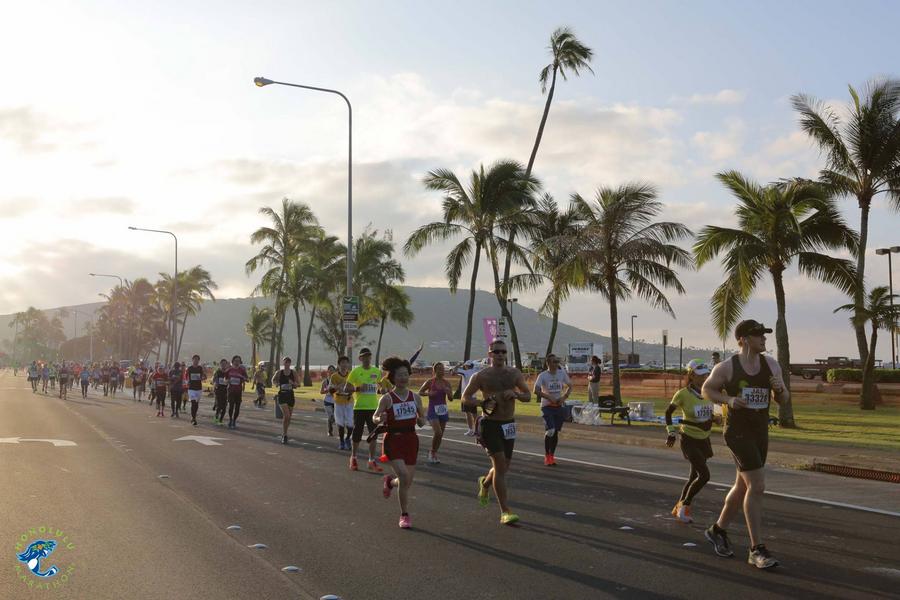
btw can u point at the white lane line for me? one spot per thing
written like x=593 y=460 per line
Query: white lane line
x=679 y=478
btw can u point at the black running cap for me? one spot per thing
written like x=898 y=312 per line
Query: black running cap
x=365 y=351
x=750 y=327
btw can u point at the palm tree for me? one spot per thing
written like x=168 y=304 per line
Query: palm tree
x=321 y=267
x=776 y=224
x=470 y=212
x=278 y=251
x=258 y=328
x=552 y=260
x=862 y=160
x=391 y=303
x=194 y=286
x=879 y=312
x=627 y=253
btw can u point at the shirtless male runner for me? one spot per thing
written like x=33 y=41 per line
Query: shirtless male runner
x=746 y=383
x=500 y=387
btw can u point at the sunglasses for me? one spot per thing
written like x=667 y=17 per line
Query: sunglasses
x=498 y=351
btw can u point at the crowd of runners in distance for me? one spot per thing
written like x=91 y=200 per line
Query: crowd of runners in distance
x=380 y=401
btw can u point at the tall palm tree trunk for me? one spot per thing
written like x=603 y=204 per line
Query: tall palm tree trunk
x=504 y=308
x=540 y=132
x=181 y=337
x=380 y=335
x=280 y=335
x=273 y=343
x=614 y=339
x=553 y=326
x=785 y=408
x=867 y=392
x=252 y=351
x=467 y=352
x=307 y=380
x=858 y=297
x=299 y=336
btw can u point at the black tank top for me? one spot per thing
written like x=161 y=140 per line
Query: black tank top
x=285 y=379
x=756 y=392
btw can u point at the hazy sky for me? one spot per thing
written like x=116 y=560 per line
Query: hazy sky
x=135 y=113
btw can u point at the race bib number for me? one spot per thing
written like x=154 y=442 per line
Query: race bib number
x=235 y=381
x=286 y=387
x=756 y=398
x=440 y=409
x=404 y=411
x=554 y=387
x=368 y=388
x=703 y=413
x=195 y=376
x=509 y=430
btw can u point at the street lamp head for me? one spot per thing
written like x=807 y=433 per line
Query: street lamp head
x=895 y=249
x=882 y=251
x=262 y=81
x=132 y=228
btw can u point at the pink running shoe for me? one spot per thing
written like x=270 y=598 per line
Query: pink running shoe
x=388 y=486
x=405 y=522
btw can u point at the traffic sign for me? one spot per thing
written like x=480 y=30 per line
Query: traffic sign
x=501 y=328
x=351 y=311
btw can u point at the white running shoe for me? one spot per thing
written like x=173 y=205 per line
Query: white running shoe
x=469 y=433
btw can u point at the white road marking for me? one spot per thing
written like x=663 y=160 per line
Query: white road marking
x=16 y=440
x=258 y=546
x=201 y=439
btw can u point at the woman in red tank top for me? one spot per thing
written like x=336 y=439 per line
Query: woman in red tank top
x=400 y=410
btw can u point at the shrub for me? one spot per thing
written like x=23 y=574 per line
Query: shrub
x=855 y=375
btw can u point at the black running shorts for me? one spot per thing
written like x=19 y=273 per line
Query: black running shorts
x=748 y=448
x=492 y=438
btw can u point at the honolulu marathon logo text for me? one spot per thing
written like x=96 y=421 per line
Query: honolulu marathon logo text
x=41 y=555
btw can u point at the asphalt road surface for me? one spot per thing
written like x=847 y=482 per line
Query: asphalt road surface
x=138 y=513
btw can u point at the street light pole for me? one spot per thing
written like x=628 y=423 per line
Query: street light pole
x=888 y=252
x=511 y=301
x=262 y=82
x=630 y=358
x=174 y=332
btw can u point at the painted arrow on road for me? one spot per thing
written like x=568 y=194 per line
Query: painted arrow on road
x=16 y=440
x=201 y=439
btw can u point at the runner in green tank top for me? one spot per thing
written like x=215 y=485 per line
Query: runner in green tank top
x=696 y=422
x=746 y=384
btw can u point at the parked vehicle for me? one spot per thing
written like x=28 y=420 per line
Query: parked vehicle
x=822 y=365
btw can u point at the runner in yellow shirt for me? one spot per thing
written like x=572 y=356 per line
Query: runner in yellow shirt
x=343 y=402
x=363 y=380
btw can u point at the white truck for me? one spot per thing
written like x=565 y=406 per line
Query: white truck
x=578 y=356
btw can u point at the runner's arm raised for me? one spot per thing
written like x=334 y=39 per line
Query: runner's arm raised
x=713 y=388
x=777 y=381
x=468 y=395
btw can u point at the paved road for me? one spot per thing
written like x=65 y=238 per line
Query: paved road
x=136 y=535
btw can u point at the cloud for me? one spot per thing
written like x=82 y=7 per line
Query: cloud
x=722 y=144
x=30 y=131
x=12 y=208
x=722 y=97
x=113 y=204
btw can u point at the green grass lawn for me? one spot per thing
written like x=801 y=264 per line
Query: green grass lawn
x=821 y=418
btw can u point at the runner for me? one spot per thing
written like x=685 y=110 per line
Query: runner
x=437 y=390
x=259 y=383
x=746 y=384
x=137 y=382
x=220 y=389
x=63 y=381
x=343 y=404
x=594 y=374
x=466 y=371
x=196 y=376
x=400 y=410
x=500 y=387
x=176 y=390
x=160 y=383
x=113 y=379
x=33 y=376
x=696 y=422
x=52 y=375
x=549 y=388
x=45 y=377
x=104 y=378
x=85 y=381
x=285 y=380
x=328 y=400
x=237 y=376
x=363 y=381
